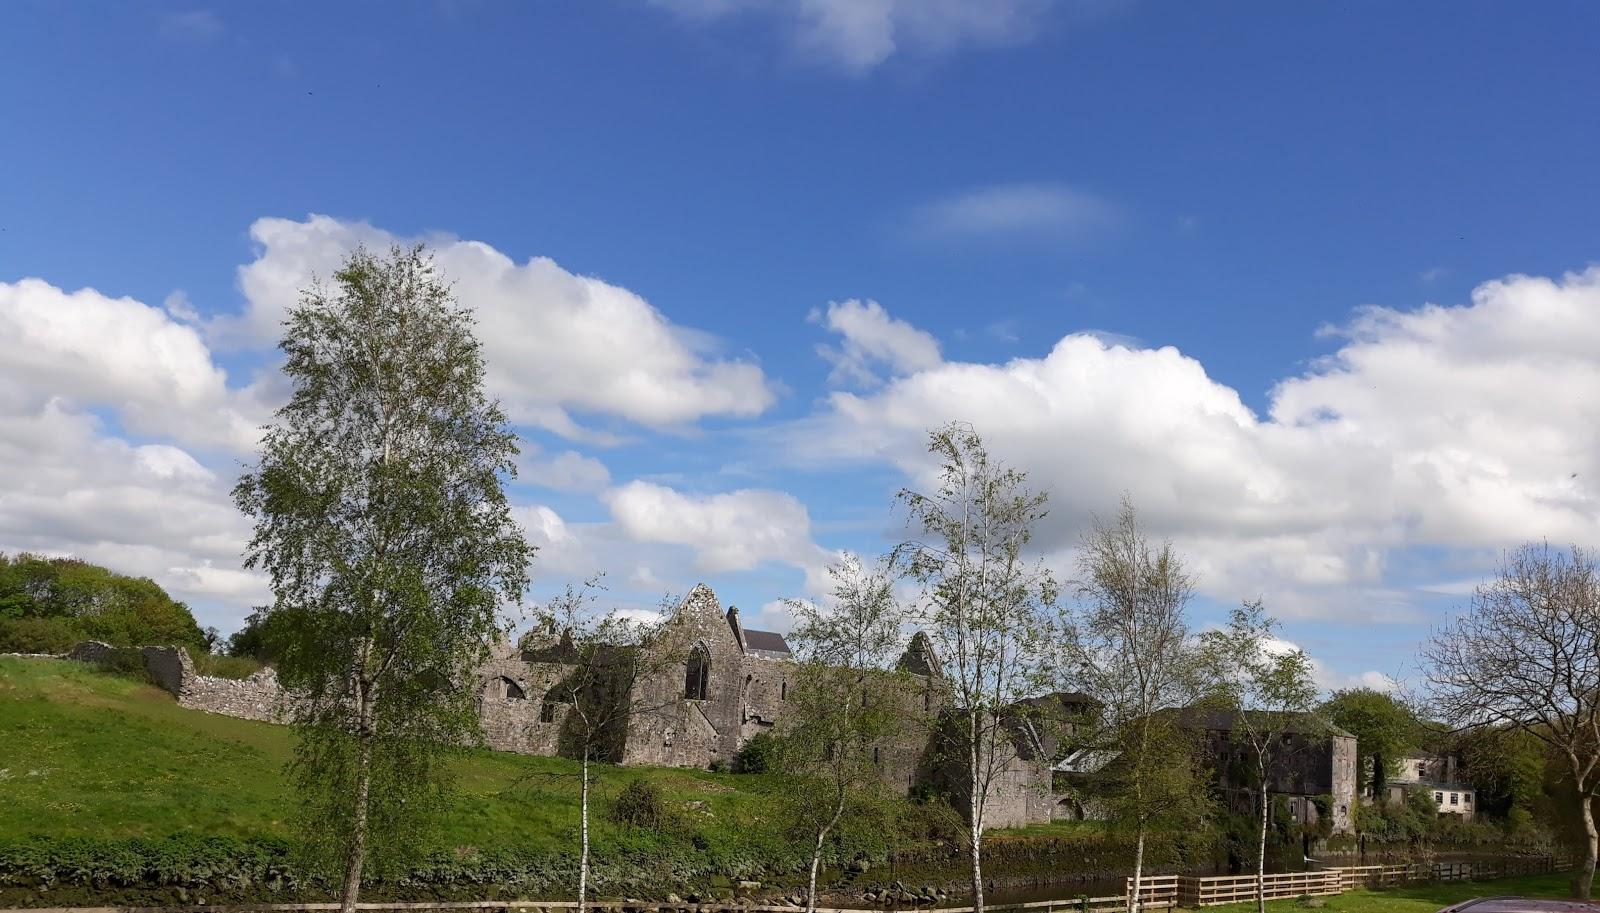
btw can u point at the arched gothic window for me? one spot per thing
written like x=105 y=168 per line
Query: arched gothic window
x=697 y=674
x=506 y=690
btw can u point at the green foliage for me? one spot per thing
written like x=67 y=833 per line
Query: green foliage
x=182 y=861
x=382 y=523
x=235 y=667
x=758 y=755
x=640 y=804
x=39 y=635
x=48 y=604
x=262 y=638
x=1384 y=729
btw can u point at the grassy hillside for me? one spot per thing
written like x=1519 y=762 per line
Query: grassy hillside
x=83 y=753
x=112 y=790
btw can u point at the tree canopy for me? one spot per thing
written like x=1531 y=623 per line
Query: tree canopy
x=1384 y=729
x=382 y=523
x=48 y=604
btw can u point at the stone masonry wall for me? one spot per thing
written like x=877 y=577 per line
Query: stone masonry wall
x=666 y=729
x=1344 y=784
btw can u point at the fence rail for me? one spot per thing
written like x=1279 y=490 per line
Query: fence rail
x=1213 y=890
x=1156 y=892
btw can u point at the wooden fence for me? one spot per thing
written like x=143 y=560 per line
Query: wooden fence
x=1156 y=892
x=1211 y=891
x=1220 y=889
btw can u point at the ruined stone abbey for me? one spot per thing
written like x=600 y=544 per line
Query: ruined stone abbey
x=724 y=685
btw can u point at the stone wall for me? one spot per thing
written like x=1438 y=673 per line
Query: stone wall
x=512 y=705
x=1343 y=762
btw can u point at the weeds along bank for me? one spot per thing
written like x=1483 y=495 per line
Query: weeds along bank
x=67 y=871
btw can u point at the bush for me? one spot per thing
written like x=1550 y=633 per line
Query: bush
x=757 y=756
x=639 y=805
x=235 y=667
x=127 y=662
x=38 y=635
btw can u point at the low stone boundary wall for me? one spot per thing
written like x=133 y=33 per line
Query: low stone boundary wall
x=257 y=697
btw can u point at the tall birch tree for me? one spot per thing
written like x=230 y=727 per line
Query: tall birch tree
x=1267 y=690
x=1131 y=651
x=984 y=603
x=607 y=656
x=847 y=704
x=382 y=524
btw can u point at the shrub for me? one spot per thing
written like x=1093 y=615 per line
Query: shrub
x=38 y=635
x=757 y=756
x=639 y=805
x=127 y=662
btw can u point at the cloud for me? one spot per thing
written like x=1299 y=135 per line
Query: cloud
x=1464 y=428
x=869 y=337
x=90 y=350
x=554 y=342
x=855 y=36
x=69 y=488
x=566 y=471
x=731 y=531
x=1011 y=211
x=194 y=27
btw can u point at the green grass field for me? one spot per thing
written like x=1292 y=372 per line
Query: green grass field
x=1421 y=898
x=83 y=753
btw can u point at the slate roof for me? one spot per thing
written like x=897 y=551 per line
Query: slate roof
x=766 y=643
x=1219 y=719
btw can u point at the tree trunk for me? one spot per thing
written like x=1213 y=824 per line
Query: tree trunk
x=975 y=810
x=358 y=824
x=1591 y=847
x=583 y=831
x=1261 y=852
x=1134 y=898
x=816 y=851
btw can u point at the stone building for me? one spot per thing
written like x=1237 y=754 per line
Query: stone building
x=1316 y=765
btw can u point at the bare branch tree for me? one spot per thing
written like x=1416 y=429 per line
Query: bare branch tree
x=1526 y=654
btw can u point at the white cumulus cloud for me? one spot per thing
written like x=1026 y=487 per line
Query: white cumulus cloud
x=554 y=342
x=728 y=531
x=91 y=350
x=1468 y=427
x=870 y=337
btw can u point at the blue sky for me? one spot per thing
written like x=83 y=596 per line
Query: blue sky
x=1226 y=179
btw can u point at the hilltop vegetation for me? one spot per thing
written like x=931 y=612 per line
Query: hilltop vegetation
x=49 y=604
